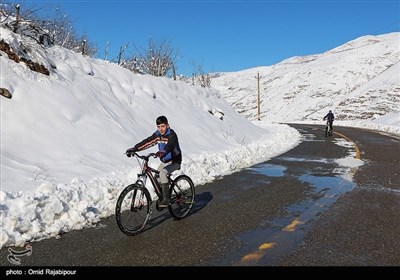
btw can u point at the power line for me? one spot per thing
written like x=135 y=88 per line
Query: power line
x=393 y=23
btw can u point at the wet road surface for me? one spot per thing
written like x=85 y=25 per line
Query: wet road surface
x=363 y=227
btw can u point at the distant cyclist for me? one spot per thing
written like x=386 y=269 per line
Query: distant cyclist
x=330 y=117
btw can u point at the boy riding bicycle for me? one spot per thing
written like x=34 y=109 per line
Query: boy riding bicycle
x=169 y=153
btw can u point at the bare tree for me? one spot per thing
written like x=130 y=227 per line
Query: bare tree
x=21 y=21
x=158 y=59
x=60 y=29
x=54 y=28
x=203 y=79
x=17 y=18
x=122 y=49
x=8 y=8
x=173 y=72
x=84 y=46
x=62 y=32
x=106 y=50
x=133 y=64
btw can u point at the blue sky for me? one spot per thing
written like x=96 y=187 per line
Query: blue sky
x=226 y=36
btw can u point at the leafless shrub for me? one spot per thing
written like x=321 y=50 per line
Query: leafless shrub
x=54 y=28
x=158 y=59
x=40 y=174
x=203 y=79
x=227 y=133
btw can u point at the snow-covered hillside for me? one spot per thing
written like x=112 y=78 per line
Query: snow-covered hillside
x=358 y=81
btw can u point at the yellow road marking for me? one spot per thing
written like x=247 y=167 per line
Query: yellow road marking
x=266 y=246
x=292 y=225
x=259 y=253
x=252 y=257
x=358 y=154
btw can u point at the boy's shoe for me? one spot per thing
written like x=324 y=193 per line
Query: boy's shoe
x=165 y=191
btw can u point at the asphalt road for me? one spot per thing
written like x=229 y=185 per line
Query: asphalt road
x=363 y=227
x=304 y=207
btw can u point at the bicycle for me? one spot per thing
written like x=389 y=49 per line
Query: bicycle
x=328 y=130
x=134 y=204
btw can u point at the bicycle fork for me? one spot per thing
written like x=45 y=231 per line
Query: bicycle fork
x=137 y=202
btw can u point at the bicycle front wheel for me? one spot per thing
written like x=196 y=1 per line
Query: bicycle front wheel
x=182 y=197
x=133 y=209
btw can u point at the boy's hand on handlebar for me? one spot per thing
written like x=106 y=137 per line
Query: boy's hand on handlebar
x=130 y=151
x=160 y=154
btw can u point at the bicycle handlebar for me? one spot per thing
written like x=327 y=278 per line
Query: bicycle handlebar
x=146 y=157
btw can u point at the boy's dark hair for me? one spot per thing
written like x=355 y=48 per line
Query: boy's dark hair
x=161 y=120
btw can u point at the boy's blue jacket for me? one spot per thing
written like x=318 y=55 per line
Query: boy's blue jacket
x=167 y=143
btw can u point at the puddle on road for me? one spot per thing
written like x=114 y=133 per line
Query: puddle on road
x=336 y=184
x=321 y=160
x=268 y=169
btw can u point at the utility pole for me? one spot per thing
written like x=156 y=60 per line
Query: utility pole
x=83 y=46
x=258 y=91
x=17 y=18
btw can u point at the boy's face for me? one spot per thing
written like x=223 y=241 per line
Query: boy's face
x=162 y=128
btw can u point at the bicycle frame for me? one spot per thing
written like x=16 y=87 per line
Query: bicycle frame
x=147 y=172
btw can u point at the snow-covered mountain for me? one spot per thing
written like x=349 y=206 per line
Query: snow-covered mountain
x=359 y=80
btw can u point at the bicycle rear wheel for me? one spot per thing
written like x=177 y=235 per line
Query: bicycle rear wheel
x=182 y=197
x=133 y=209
